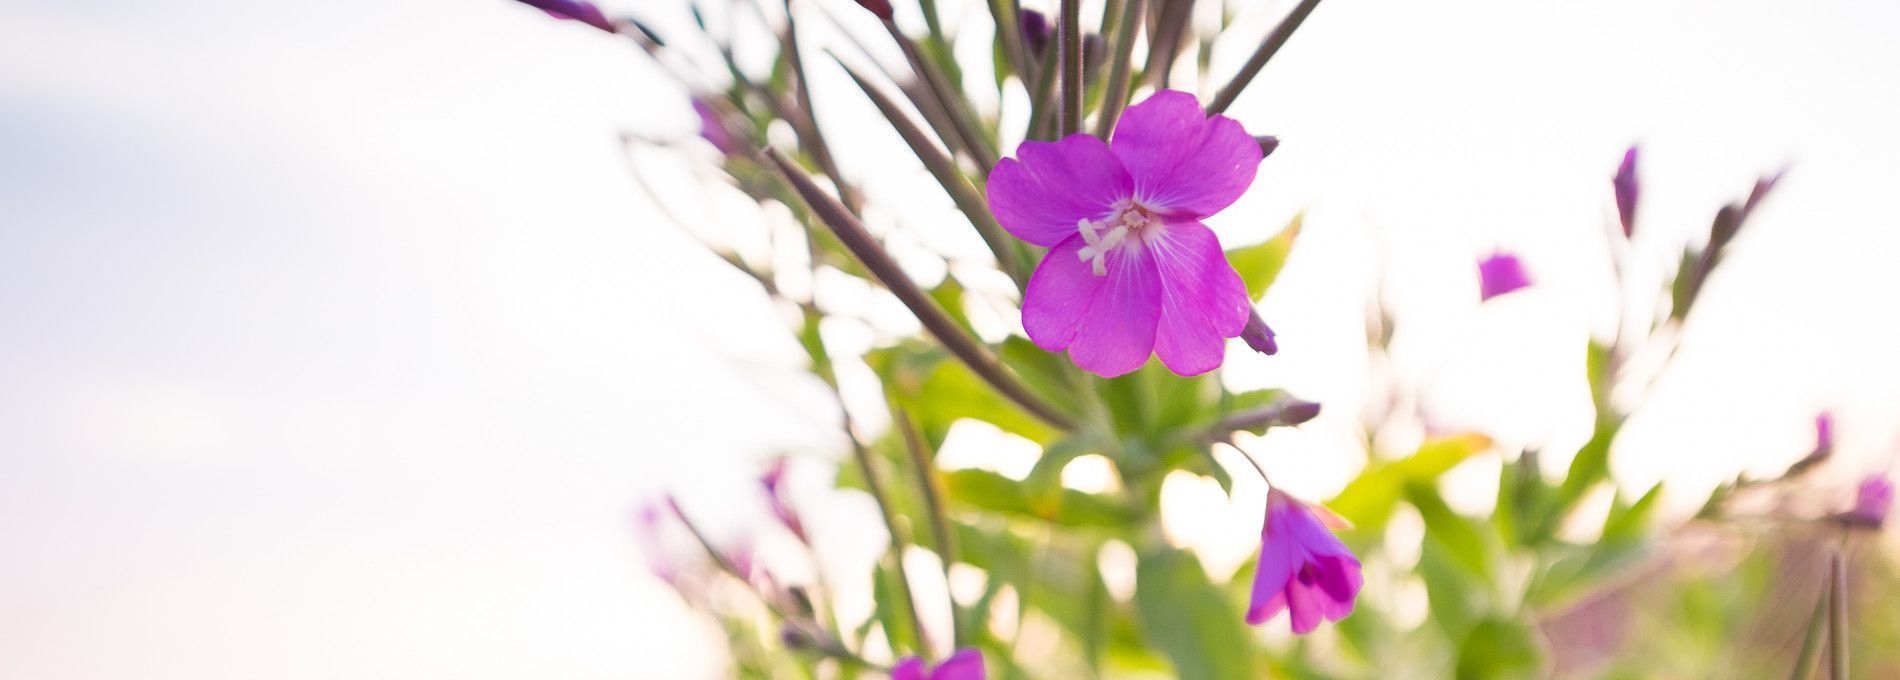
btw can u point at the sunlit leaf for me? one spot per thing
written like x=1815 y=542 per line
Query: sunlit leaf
x=1261 y=263
x=1190 y=619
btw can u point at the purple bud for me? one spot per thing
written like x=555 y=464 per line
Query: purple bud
x=1824 y=431
x=1626 y=186
x=1267 y=144
x=1500 y=273
x=882 y=8
x=1295 y=411
x=574 y=10
x=1035 y=30
x=774 y=482
x=712 y=127
x=1871 y=502
x=1258 y=336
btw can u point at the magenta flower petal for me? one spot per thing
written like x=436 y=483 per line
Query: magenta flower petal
x=910 y=668
x=1626 y=186
x=1117 y=331
x=1500 y=273
x=1303 y=568
x=574 y=10
x=1184 y=162
x=1203 y=300
x=965 y=664
x=1872 y=501
x=1041 y=194
x=1058 y=295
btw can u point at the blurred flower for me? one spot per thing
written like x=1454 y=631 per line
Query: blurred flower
x=1500 y=273
x=882 y=8
x=1036 y=30
x=647 y=529
x=1824 y=431
x=1258 y=335
x=1131 y=268
x=965 y=664
x=1871 y=502
x=574 y=10
x=774 y=482
x=713 y=128
x=1303 y=567
x=1626 y=186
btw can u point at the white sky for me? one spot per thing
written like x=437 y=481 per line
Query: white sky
x=336 y=344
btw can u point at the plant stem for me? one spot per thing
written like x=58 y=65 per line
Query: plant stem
x=1071 y=48
x=944 y=169
x=1837 y=617
x=949 y=100
x=946 y=542
x=807 y=121
x=1275 y=39
x=966 y=349
x=1117 y=95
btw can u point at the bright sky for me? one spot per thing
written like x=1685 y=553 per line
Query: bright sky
x=338 y=345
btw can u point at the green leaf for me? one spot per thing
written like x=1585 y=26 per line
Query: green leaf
x=1498 y=648
x=1367 y=502
x=1260 y=264
x=939 y=391
x=1627 y=525
x=1458 y=534
x=1190 y=619
x=996 y=493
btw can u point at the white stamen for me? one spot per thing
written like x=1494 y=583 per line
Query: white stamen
x=1127 y=217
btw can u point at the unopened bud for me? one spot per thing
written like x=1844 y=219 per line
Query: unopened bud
x=574 y=10
x=1035 y=30
x=1296 y=411
x=1626 y=186
x=1258 y=336
x=882 y=8
x=1267 y=144
x=801 y=600
x=795 y=637
x=1500 y=273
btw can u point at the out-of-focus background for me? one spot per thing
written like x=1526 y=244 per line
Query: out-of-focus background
x=335 y=341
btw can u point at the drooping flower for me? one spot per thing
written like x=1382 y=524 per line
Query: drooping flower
x=1626 y=187
x=965 y=664
x=574 y=10
x=1871 y=502
x=712 y=128
x=775 y=497
x=1131 y=270
x=1303 y=568
x=1500 y=273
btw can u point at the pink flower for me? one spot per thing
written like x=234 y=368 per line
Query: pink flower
x=965 y=664
x=1131 y=268
x=1626 y=187
x=574 y=10
x=774 y=482
x=1500 y=273
x=1303 y=567
x=1871 y=502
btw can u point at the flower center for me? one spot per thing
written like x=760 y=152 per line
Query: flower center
x=1126 y=218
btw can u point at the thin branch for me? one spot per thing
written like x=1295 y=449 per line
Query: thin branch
x=808 y=120
x=934 y=319
x=949 y=99
x=921 y=462
x=1071 y=48
x=1268 y=47
x=1117 y=95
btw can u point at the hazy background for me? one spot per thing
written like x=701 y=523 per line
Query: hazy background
x=335 y=343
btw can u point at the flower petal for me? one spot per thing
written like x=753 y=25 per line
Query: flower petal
x=1303 y=601
x=1182 y=161
x=1338 y=583
x=1117 y=332
x=1039 y=195
x=1203 y=301
x=1278 y=561
x=1058 y=296
x=966 y=664
x=910 y=668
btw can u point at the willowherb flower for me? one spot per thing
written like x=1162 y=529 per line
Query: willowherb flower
x=1131 y=270
x=1626 y=187
x=1500 y=273
x=1303 y=567
x=574 y=10
x=1872 y=500
x=775 y=497
x=965 y=664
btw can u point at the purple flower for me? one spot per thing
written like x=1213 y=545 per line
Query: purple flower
x=1303 y=567
x=881 y=8
x=1035 y=30
x=1871 y=502
x=965 y=664
x=1131 y=270
x=773 y=480
x=1500 y=273
x=1824 y=431
x=1626 y=187
x=574 y=10
x=713 y=128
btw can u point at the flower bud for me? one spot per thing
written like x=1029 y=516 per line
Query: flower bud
x=882 y=8
x=1258 y=336
x=712 y=128
x=574 y=10
x=1500 y=273
x=1626 y=187
x=1035 y=29
x=1295 y=411
x=1267 y=144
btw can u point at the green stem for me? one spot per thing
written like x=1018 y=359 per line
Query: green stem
x=1117 y=96
x=927 y=481
x=1071 y=49
x=1274 y=40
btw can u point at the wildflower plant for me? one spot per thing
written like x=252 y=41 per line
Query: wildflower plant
x=1091 y=206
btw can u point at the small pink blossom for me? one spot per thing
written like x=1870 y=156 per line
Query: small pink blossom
x=965 y=664
x=1499 y=273
x=1131 y=270
x=1303 y=568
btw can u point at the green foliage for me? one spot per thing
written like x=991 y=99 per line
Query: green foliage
x=1190 y=620
x=1260 y=264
